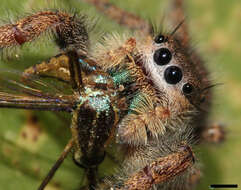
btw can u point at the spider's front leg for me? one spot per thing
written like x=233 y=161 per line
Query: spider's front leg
x=161 y=170
x=70 y=33
x=164 y=164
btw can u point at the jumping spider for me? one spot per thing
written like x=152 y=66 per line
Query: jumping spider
x=146 y=93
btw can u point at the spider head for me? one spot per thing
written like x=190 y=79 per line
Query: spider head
x=172 y=71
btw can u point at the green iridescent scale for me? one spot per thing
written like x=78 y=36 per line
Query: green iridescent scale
x=123 y=77
x=120 y=76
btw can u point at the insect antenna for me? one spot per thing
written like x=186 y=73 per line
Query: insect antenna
x=57 y=164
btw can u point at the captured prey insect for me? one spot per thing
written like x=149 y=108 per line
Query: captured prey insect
x=143 y=93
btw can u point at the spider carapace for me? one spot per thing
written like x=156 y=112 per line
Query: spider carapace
x=143 y=92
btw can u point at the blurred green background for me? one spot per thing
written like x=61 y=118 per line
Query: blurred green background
x=27 y=153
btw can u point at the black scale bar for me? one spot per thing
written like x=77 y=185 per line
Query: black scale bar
x=224 y=186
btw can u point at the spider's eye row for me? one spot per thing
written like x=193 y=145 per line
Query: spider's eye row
x=187 y=88
x=173 y=75
x=160 y=39
x=162 y=56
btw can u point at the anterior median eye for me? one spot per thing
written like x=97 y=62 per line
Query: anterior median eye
x=162 y=56
x=173 y=75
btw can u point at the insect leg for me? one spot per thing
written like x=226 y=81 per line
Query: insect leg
x=51 y=173
x=122 y=17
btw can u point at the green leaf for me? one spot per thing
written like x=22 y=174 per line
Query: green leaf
x=27 y=153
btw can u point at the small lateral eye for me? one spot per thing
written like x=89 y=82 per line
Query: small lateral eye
x=159 y=39
x=187 y=88
x=173 y=75
x=162 y=56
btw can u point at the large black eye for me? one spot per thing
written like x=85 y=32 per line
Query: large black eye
x=173 y=75
x=162 y=56
x=159 y=39
x=187 y=88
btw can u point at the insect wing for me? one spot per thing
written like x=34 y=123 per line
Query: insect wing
x=34 y=93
